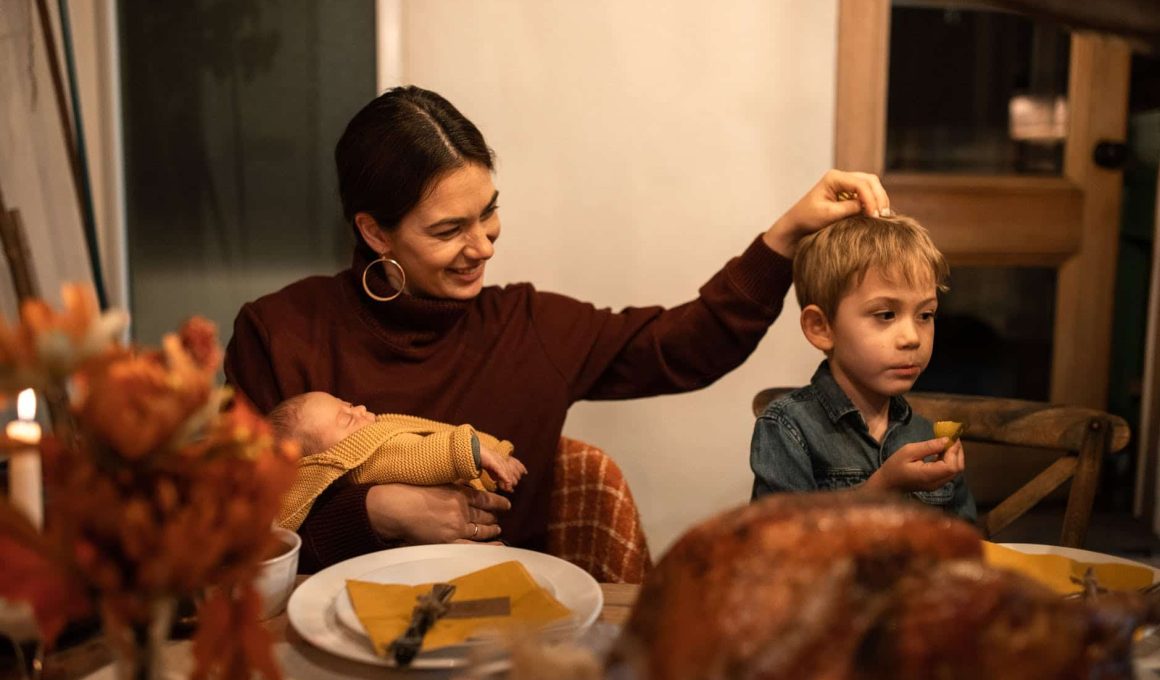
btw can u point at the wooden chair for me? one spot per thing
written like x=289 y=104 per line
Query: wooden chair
x=1085 y=435
x=593 y=521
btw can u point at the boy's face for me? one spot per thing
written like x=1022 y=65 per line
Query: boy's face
x=882 y=335
x=328 y=420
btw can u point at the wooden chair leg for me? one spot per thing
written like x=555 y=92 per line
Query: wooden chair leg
x=1013 y=507
x=1083 y=486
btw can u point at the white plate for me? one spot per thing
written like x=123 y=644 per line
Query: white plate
x=312 y=609
x=1078 y=555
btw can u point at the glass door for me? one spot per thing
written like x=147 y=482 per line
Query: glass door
x=984 y=125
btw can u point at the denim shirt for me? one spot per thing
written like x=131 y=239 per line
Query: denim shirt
x=815 y=438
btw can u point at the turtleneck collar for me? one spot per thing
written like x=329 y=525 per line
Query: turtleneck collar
x=408 y=323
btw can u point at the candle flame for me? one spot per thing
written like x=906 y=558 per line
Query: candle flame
x=26 y=405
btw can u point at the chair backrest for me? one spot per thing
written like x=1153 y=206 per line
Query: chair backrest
x=1085 y=435
x=593 y=521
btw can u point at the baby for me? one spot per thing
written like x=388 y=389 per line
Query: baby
x=338 y=438
x=868 y=289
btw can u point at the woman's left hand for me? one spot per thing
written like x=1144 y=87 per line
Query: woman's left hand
x=838 y=194
x=449 y=513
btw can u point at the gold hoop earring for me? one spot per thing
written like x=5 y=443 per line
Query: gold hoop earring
x=402 y=275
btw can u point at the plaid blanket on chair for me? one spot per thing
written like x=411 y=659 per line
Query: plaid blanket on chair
x=594 y=522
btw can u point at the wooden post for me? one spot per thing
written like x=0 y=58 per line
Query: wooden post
x=1084 y=484
x=1085 y=291
x=863 y=69
x=16 y=252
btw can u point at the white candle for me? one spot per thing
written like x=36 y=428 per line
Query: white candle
x=25 y=489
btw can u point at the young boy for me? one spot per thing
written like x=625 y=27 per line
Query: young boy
x=337 y=438
x=868 y=289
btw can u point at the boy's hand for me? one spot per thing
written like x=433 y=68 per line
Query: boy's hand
x=505 y=470
x=905 y=469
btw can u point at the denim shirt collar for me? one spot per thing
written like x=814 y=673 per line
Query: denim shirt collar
x=838 y=406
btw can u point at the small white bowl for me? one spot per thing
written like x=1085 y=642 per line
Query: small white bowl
x=276 y=579
x=17 y=621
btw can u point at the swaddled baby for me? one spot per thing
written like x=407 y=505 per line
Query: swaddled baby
x=338 y=438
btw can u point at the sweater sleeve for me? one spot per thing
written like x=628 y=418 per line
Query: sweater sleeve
x=641 y=352
x=421 y=458
x=337 y=528
x=247 y=365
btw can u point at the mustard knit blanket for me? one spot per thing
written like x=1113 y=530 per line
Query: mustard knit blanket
x=395 y=449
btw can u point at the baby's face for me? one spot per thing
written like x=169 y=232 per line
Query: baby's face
x=328 y=419
x=883 y=334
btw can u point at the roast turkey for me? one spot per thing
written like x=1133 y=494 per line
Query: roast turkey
x=844 y=585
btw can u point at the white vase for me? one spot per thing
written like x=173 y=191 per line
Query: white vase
x=138 y=649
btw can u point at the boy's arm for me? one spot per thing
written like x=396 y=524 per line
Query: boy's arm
x=779 y=457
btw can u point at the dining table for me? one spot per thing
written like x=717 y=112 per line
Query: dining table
x=299 y=660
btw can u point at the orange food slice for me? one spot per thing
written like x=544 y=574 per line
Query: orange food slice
x=949 y=429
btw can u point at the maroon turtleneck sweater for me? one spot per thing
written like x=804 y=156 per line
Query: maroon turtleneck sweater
x=509 y=362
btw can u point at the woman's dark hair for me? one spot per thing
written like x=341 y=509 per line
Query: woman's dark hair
x=396 y=147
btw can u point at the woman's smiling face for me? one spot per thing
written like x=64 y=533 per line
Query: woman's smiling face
x=444 y=243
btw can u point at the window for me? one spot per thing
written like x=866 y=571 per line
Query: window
x=231 y=112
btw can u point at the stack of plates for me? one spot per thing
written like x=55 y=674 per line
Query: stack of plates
x=321 y=613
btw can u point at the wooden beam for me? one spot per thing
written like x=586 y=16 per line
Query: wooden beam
x=1000 y=220
x=863 y=69
x=16 y=253
x=1148 y=441
x=1019 y=422
x=1085 y=294
x=1135 y=20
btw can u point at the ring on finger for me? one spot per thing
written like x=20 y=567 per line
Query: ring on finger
x=474 y=530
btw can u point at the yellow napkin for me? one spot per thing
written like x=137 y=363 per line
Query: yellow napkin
x=1056 y=571
x=385 y=609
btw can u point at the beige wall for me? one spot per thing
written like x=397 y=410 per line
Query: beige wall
x=640 y=145
x=30 y=129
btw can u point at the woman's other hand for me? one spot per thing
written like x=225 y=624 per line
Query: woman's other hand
x=450 y=513
x=505 y=470
x=838 y=194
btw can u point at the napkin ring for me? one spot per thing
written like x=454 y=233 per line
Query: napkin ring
x=387 y=262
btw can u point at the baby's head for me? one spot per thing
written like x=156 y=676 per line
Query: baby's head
x=868 y=289
x=317 y=420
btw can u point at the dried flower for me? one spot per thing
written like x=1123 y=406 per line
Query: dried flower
x=163 y=485
x=46 y=347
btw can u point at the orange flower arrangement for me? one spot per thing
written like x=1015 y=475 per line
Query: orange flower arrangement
x=161 y=484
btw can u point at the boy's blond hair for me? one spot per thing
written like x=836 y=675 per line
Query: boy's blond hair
x=830 y=262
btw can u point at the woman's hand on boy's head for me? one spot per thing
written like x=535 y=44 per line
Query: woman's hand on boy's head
x=907 y=470
x=825 y=204
x=505 y=470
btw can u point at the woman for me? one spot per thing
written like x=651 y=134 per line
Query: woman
x=410 y=327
